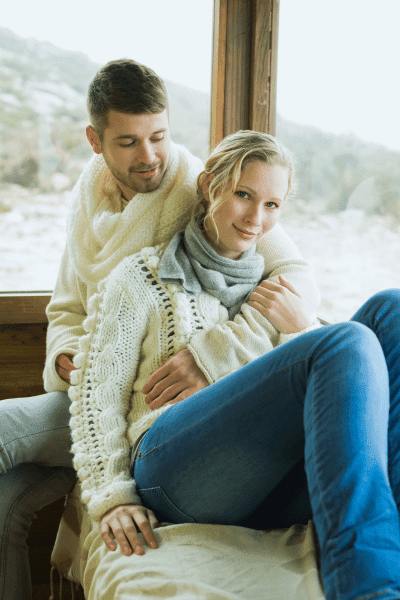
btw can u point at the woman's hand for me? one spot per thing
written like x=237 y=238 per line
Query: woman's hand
x=281 y=305
x=124 y=522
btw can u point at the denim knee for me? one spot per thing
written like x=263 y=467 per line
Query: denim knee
x=357 y=337
x=389 y=299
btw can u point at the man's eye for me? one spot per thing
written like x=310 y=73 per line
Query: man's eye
x=157 y=139
x=127 y=145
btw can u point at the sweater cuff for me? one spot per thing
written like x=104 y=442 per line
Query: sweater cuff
x=100 y=501
x=286 y=337
x=52 y=381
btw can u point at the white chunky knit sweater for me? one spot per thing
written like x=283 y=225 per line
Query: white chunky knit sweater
x=135 y=324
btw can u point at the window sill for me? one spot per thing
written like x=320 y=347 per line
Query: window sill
x=23 y=307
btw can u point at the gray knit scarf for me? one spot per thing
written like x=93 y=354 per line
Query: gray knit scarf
x=190 y=261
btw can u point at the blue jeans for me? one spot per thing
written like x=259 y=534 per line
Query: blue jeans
x=332 y=397
x=36 y=431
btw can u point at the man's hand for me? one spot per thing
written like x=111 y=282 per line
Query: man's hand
x=64 y=366
x=175 y=380
x=281 y=305
x=124 y=522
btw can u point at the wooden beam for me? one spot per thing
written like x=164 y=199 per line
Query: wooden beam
x=23 y=307
x=244 y=67
x=218 y=73
x=238 y=66
x=264 y=65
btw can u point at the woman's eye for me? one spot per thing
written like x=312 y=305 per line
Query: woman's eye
x=242 y=194
x=271 y=205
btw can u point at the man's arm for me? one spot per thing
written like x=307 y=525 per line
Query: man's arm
x=66 y=313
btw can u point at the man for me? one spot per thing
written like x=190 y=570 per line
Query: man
x=137 y=191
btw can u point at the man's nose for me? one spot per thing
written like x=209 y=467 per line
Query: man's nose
x=146 y=154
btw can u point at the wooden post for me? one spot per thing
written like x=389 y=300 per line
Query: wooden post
x=245 y=46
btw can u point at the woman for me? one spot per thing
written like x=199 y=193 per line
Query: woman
x=219 y=455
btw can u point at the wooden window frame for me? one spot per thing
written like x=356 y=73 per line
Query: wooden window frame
x=244 y=75
x=17 y=308
x=243 y=96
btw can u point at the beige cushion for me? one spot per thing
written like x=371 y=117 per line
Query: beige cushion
x=194 y=561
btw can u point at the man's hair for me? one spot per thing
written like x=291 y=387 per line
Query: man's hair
x=226 y=162
x=124 y=86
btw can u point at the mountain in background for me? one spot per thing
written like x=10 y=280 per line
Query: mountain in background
x=43 y=118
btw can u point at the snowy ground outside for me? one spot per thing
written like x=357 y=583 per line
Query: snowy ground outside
x=353 y=255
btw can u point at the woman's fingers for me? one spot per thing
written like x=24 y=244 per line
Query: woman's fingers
x=123 y=523
x=286 y=283
x=105 y=532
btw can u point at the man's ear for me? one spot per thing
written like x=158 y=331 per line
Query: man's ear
x=94 y=139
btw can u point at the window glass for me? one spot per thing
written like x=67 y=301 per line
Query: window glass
x=338 y=99
x=47 y=59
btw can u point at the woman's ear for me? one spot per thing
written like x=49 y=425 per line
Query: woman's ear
x=94 y=139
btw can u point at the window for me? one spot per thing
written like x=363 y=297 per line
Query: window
x=44 y=73
x=337 y=105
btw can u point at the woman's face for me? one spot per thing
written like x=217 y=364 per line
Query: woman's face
x=251 y=211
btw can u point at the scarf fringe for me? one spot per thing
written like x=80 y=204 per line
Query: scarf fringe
x=74 y=585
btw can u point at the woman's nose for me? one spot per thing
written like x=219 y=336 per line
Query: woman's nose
x=253 y=215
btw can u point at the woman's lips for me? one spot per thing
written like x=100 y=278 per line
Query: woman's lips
x=244 y=233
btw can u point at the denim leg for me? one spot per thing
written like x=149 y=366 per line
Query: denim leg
x=215 y=456
x=35 y=470
x=347 y=471
x=382 y=314
x=35 y=430
x=25 y=490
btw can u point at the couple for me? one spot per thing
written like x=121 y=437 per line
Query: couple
x=329 y=393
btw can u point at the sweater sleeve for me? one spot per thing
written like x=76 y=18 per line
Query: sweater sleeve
x=227 y=347
x=66 y=313
x=282 y=257
x=101 y=394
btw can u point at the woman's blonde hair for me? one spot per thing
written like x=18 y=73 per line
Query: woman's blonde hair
x=226 y=162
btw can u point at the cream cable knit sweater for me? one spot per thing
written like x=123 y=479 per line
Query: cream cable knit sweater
x=101 y=233
x=135 y=324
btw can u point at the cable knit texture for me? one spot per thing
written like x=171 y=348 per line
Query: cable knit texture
x=132 y=317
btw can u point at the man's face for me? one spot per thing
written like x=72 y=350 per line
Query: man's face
x=135 y=148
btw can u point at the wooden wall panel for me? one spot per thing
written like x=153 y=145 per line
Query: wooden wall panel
x=22 y=356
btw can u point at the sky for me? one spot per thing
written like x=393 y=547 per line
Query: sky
x=338 y=59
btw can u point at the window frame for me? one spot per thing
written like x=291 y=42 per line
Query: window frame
x=243 y=96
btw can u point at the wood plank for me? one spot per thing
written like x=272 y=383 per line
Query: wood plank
x=22 y=357
x=23 y=307
x=244 y=67
x=237 y=72
x=218 y=72
x=260 y=65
